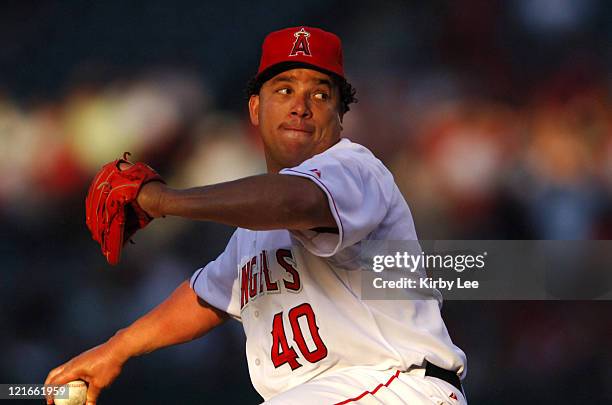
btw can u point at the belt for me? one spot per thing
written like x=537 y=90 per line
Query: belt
x=450 y=377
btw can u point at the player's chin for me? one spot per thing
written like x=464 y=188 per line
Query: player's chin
x=296 y=143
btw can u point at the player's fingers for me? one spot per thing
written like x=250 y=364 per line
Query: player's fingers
x=63 y=378
x=53 y=373
x=93 y=392
x=49 y=381
x=60 y=378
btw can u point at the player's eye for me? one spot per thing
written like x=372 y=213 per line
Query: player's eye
x=321 y=95
x=284 y=91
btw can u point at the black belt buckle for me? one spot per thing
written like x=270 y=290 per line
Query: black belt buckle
x=450 y=377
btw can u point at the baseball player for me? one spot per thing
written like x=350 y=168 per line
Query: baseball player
x=288 y=272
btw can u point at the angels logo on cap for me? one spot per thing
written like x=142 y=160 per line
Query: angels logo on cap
x=302 y=46
x=301 y=43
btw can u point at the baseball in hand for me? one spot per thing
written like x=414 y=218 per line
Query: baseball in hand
x=77 y=394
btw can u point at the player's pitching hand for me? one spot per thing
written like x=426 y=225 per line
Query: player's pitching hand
x=99 y=367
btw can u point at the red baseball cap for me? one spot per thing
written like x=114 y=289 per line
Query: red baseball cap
x=291 y=48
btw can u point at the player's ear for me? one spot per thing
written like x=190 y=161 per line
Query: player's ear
x=339 y=108
x=254 y=109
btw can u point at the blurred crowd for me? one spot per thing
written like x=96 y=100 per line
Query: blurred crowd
x=470 y=166
x=496 y=123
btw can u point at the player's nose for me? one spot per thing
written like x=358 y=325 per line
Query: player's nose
x=300 y=107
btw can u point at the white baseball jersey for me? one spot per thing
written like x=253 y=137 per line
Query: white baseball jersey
x=297 y=293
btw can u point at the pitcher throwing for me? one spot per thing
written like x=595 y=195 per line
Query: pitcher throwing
x=289 y=272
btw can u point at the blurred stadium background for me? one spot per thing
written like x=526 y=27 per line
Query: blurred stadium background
x=495 y=117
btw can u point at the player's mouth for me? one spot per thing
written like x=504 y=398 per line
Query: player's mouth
x=301 y=129
x=297 y=131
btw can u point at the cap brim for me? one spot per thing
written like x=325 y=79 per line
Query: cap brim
x=273 y=70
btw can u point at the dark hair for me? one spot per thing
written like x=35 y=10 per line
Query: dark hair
x=347 y=91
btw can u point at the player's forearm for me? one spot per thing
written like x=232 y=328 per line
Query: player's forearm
x=262 y=202
x=182 y=317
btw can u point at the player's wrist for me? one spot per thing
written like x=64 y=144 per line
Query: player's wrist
x=122 y=347
x=151 y=197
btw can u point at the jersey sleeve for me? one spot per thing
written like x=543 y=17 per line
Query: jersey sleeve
x=217 y=282
x=357 y=188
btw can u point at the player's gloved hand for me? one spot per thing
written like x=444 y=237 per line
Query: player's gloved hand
x=98 y=367
x=113 y=214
